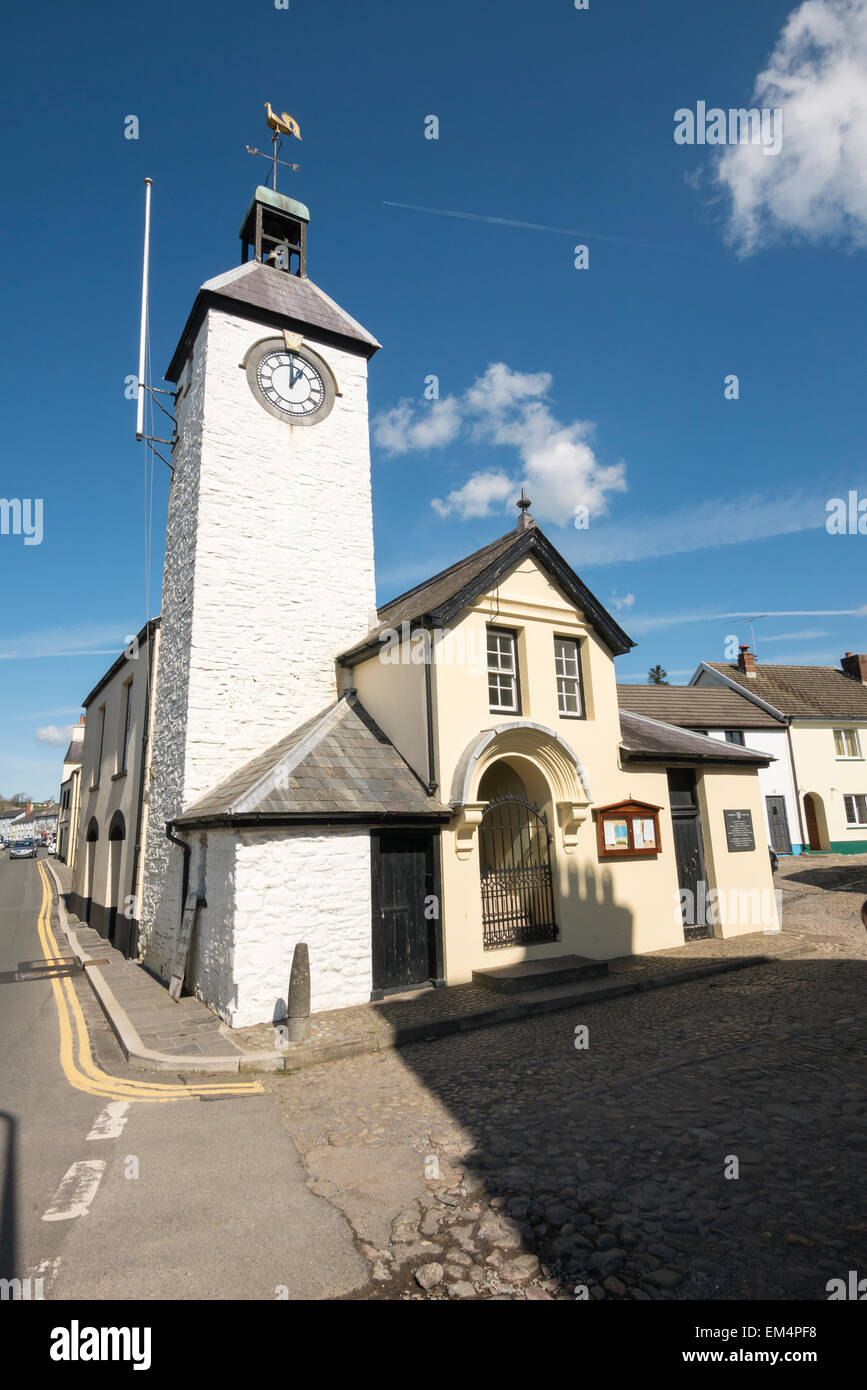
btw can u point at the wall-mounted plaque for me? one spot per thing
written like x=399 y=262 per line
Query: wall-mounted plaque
x=739 y=830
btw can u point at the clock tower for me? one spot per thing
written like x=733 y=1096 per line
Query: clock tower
x=269 y=548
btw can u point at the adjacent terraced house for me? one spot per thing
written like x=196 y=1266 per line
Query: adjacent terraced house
x=824 y=712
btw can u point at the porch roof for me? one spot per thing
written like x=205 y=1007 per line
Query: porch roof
x=337 y=766
x=650 y=740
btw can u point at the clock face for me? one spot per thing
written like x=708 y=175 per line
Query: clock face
x=294 y=386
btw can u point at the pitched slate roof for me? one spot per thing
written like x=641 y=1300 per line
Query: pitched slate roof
x=338 y=765
x=649 y=740
x=695 y=706
x=290 y=301
x=802 y=692
x=448 y=593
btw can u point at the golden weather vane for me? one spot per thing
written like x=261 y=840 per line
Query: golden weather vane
x=279 y=125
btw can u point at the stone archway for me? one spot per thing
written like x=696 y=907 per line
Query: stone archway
x=515 y=863
x=549 y=769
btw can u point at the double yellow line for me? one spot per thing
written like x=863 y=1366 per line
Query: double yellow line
x=76 y=1059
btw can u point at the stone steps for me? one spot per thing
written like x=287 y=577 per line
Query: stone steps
x=535 y=975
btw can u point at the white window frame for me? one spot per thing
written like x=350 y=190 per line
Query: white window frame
x=844 y=735
x=503 y=668
x=854 y=798
x=568 y=682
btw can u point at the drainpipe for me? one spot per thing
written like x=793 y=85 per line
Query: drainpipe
x=188 y=849
x=432 y=784
x=804 y=844
x=145 y=739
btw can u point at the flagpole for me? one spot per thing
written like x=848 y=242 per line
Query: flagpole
x=139 y=424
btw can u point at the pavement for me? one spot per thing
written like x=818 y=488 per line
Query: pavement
x=156 y=1033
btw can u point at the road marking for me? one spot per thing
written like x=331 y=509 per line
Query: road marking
x=76 y=1191
x=75 y=1055
x=109 y=1122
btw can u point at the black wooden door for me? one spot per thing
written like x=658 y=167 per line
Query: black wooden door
x=403 y=941
x=689 y=852
x=779 y=823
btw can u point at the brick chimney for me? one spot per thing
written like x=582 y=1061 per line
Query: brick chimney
x=746 y=662
x=855 y=665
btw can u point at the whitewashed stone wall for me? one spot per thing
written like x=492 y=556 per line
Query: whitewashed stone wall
x=268 y=576
x=267 y=891
x=161 y=889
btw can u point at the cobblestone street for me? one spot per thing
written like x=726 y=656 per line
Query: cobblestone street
x=512 y=1163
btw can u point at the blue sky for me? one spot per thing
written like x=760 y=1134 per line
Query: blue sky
x=705 y=261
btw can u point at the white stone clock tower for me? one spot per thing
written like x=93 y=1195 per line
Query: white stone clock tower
x=269 y=550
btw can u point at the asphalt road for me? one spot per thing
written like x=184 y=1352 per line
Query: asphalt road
x=116 y=1191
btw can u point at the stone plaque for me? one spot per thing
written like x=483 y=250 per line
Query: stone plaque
x=739 y=830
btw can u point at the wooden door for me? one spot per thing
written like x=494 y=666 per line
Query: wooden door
x=688 y=850
x=779 y=824
x=403 y=933
x=813 y=838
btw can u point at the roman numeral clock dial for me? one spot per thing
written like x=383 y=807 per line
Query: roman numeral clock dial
x=294 y=384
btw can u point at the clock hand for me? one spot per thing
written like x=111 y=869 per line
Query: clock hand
x=293 y=375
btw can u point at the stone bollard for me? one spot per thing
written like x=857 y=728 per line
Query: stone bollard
x=298 y=1003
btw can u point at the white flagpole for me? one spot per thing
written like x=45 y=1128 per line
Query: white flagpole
x=139 y=424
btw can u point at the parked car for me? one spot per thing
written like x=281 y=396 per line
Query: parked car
x=24 y=849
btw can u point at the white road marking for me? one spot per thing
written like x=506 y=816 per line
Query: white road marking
x=109 y=1122
x=77 y=1190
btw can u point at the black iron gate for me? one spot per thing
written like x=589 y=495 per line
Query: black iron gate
x=515 y=870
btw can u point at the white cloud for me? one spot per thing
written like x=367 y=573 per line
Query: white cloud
x=398 y=430
x=89 y=639
x=626 y=602
x=482 y=494
x=815 y=187
x=715 y=522
x=558 y=464
x=53 y=734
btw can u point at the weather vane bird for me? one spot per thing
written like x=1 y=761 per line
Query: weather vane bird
x=285 y=124
x=279 y=125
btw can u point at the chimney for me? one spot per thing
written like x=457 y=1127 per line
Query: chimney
x=747 y=662
x=29 y=808
x=855 y=665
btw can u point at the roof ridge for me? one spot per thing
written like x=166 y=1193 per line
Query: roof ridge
x=449 y=569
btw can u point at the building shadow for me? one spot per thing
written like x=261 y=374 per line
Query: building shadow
x=707 y=1141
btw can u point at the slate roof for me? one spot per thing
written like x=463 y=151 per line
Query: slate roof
x=288 y=300
x=650 y=740
x=695 y=706
x=438 y=600
x=802 y=692
x=338 y=765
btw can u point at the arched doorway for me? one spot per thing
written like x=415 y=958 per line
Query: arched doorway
x=116 y=837
x=817 y=827
x=514 y=862
x=92 y=837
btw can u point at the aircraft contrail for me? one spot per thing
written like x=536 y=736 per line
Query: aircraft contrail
x=540 y=227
